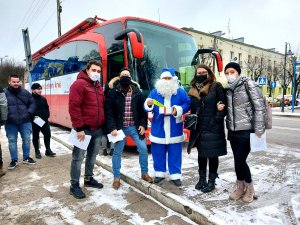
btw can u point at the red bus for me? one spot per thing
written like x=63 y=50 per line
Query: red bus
x=144 y=46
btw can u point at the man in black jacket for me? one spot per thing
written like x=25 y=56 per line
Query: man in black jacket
x=41 y=112
x=124 y=111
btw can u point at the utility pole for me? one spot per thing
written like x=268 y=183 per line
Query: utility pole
x=59 y=10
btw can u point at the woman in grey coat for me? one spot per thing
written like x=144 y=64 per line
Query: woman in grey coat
x=245 y=115
x=3 y=118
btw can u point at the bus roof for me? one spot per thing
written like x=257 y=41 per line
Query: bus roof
x=89 y=24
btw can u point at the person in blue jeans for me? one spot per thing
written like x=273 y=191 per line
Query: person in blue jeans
x=124 y=111
x=21 y=107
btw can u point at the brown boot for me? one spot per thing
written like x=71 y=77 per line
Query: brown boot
x=239 y=190
x=116 y=183
x=250 y=193
x=147 y=178
x=2 y=171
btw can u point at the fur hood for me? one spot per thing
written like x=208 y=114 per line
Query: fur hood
x=194 y=92
x=116 y=80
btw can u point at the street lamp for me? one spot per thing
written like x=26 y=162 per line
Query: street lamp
x=284 y=69
x=1 y=58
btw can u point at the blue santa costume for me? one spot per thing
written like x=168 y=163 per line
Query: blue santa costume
x=167 y=130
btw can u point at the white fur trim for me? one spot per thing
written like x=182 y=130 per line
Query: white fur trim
x=179 y=113
x=147 y=107
x=172 y=140
x=167 y=128
x=165 y=74
x=159 y=174
x=175 y=176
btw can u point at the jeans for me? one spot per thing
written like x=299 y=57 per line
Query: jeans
x=12 y=130
x=141 y=147
x=45 y=129
x=91 y=153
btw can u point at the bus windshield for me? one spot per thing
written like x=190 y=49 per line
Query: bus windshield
x=164 y=48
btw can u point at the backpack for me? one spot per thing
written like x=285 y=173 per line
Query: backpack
x=268 y=109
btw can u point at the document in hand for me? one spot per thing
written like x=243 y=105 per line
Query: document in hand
x=258 y=144
x=120 y=136
x=39 y=121
x=79 y=144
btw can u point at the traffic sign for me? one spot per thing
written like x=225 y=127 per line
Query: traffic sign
x=262 y=81
x=273 y=84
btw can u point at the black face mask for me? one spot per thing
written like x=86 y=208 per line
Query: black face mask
x=125 y=81
x=200 y=78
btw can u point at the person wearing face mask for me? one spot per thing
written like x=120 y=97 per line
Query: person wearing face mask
x=209 y=135
x=86 y=109
x=245 y=115
x=124 y=111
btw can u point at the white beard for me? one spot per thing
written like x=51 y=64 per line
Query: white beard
x=166 y=88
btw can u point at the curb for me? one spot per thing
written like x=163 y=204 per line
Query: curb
x=286 y=114
x=169 y=199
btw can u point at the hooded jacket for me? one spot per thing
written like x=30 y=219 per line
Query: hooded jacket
x=245 y=107
x=115 y=106
x=86 y=103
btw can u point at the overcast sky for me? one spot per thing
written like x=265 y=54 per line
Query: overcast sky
x=263 y=23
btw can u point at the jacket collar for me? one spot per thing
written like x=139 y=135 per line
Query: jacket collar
x=195 y=93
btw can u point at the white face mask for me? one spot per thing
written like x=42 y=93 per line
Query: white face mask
x=94 y=76
x=231 y=78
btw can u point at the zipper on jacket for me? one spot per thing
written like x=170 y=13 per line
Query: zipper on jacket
x=233 y=117
x=97 y=105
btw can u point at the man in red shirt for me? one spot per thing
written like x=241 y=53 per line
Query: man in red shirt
x=86 y=108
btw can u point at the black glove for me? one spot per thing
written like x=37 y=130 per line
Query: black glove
x=188 y=150
x=2 y=122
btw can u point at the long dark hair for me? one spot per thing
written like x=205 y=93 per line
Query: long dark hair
x=211 y=76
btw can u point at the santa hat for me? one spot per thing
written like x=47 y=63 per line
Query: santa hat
x=168 y=72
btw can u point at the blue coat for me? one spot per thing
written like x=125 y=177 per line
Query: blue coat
x=166 y=128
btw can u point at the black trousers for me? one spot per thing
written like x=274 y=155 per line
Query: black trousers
x=36 y=135
x=240 y=154
x=1 y=162
x=213 y=164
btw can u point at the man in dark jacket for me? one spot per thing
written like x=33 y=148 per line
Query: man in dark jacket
x=86 y=108
x=20 y=112
x=124 y=111
x=41 y=112
x=3 y=118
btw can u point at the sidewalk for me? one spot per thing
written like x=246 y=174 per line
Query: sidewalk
x=276 y=178
x=276 y=111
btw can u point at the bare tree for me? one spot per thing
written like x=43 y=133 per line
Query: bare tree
x=10 y=67
x=252 y=66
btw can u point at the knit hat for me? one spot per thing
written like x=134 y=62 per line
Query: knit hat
x=35 y=86
x=168 y=72
x=233 y=65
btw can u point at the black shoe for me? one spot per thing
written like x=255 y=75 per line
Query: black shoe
x=29 y=161
x=177 y=182
x=12 y=165
x=91 y=182
x=76 y=191
x=158 y=179
x=38 y=155
x=111 y=152
x=105 y=152
x=50 y=153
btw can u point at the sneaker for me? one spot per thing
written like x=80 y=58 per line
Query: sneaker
x=158 y=179
x=177 y=182
x=116 y=184
x=50 y=153
x=147 y=178
x=91 y=182
x=29 y=161
x=12 y=164
x=76 y=191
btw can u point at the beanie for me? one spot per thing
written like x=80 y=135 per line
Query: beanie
x=233 y=65
x=35 y=86
x=168 y=72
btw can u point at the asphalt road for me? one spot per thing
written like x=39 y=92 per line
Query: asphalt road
x=285 y=131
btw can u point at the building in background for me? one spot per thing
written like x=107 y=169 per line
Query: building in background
x=256 y=63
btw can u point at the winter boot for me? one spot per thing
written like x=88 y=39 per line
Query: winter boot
x=38 y=154
x=211 y=183
x=239 y=190
x=105 y=152
x=2 y=171
x=249 y=194
x=202 y=180
x=50 y=153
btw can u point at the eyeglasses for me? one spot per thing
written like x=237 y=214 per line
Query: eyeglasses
x=94 y=70
x=202 y=74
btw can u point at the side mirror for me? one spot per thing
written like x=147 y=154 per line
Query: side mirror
x=216 y=54
x=136 y=40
